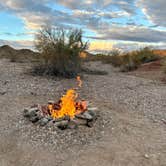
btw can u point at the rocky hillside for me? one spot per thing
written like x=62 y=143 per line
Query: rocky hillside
x=17 y=55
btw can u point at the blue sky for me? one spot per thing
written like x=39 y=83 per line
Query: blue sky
x=107 y=24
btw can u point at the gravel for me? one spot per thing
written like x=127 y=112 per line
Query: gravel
x=107 y=92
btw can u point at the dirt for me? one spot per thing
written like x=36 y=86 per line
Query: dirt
x=152 y=70
x=133 y=110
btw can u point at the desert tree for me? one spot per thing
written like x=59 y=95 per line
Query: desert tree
x=60 y=50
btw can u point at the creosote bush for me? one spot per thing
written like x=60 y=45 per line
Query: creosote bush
x=59 y=51
x=127 y=61
x=134 y=59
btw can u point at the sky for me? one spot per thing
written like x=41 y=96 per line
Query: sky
x=107 y=24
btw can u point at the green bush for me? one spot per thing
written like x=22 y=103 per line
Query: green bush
x=146 y=55
x=129 y=63
x=134 y=59
x=59 y=51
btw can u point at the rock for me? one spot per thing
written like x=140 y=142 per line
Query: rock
x=29 y=112
x=61 y=119
x=34 y=109
x=62 y=124
x=164 y=121
x=26 y=112
x=43 y=121
x=90 y=123
x=146 y=156
x=51 y=102
x=34 y=119
x=79 y=121
x=33 y=93
x=2 y=93
x=49 y=118
x=85 y=115
x=72 y=125
x=92 y=113
x=92 y=108
x=32 y=113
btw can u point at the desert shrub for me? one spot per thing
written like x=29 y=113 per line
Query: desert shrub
x=59 y=51
x=164 y=65
x=134 y=59
x=146 y=55
x=113 y=58
x=129 y=63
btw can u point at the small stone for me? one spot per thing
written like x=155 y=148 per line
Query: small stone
x=62 y=125
x=146 y=156
x=26 y=112
x=49 y=118
x=72 y=125
x=34 y=119
x=92 y=109
x=79 y=121
x=51 y=102
x=2 y=93
x=90 y=123
x=43 y=121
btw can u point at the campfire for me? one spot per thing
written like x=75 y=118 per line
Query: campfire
x=68 y=112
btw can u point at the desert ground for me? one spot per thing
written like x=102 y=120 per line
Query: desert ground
x=130 y=131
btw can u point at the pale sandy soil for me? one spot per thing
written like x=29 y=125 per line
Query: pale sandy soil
x=135 y=108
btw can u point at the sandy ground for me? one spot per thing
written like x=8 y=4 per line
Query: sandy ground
x=134 y=106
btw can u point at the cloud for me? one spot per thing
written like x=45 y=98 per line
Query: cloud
x=129 y=33
x=154 y=10
x=128 y=46
x=17 y=34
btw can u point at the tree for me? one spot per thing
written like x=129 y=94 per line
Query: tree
x=60 y=50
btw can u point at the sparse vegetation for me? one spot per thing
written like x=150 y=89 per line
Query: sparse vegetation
x=146 y=55
x=164 y=65
x=127 y=61
x=60 y=51
x=133 y=60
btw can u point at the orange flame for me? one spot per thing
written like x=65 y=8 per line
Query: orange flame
x=79 y=81
x=68 y=106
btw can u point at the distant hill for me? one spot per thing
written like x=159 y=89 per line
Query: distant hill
x=7 y=51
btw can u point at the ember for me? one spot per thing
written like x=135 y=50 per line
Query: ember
x=69 y=111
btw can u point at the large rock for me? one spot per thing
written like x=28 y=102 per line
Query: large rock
x=85 y=115
x=30 y=112
x=79 y=121
x=62 y=124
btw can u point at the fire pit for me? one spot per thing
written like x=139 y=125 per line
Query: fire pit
x=68 y=113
